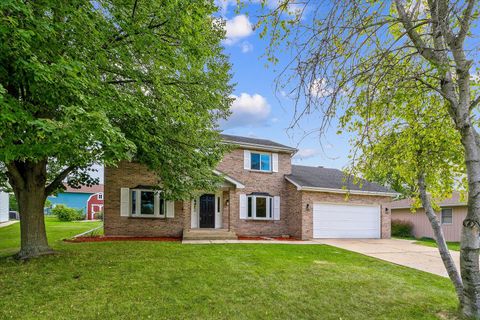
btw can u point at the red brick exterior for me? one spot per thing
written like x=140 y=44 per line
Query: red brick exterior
x=295 y=220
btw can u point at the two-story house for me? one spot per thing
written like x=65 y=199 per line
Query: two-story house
x=263 y=194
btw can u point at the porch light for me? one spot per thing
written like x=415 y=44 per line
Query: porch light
x=227 y=202
x=194 y=203
x=308 y=206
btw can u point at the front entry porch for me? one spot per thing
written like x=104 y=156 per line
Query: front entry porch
x=209 y=234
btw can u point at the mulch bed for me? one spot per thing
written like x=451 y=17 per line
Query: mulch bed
x=111 y=238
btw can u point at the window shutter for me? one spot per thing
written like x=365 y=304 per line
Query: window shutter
x=156 y=203
x=124 y=202
x=243 y=206
x=194 y=216
x=246 y=160
x=170 y=209
x=276 y=208
x=275 y=162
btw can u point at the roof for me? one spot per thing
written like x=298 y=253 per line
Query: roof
x=455 y=200
x=332 y=180
x=256 y=143
x=85 y=189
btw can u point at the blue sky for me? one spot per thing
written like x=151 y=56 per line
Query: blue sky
x=261 y=111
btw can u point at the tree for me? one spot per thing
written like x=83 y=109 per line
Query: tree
x=406 y=139
x=340 y=44
x=99 y=82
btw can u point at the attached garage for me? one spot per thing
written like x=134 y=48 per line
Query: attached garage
x=346 y=221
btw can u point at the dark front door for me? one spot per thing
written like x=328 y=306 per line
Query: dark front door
x=207 y=211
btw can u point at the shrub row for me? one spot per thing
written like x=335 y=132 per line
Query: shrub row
x=64 y=213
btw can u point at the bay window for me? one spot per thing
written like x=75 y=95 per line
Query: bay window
x=147 y=203
x=259 y=207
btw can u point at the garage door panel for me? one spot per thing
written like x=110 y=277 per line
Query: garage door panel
x=345 y=221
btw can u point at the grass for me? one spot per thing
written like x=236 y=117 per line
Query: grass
x=160 y=280
x=431 y=243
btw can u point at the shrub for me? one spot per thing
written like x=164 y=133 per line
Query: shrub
x=401 y=228
x=64 y=213
x=99 y=215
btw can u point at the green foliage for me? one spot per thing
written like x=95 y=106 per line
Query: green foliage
x=66 y=214
x=13 y=204
x=85 y=82
x=401 y=228
x=99 y=215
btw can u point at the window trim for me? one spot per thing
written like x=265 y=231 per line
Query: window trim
x=261 y=153
x=269 y=205
x=441 y=216
x=157 y=199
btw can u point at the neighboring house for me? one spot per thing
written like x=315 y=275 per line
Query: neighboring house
x=4 y=206
x=263 y=194
x=85 y=199
x=451 y=215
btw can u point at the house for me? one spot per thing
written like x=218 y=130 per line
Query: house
x=4 y=206
x=451 y=215
x=263 y=194
x=87 y=199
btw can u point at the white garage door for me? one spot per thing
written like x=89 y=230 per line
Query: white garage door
x=345 y=221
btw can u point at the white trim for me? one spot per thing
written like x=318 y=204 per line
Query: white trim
x=269 y=154
x=274 y=162
x=194 y=214
x=269 y=207
x=441 y=206
x=345 y=191
x=156 y=204
x=237 y=184
x=218 y=210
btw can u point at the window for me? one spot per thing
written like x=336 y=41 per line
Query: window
x=447 y=217
x=147 y=203
x=259 y=207
x=260 y=161
x=100 y=196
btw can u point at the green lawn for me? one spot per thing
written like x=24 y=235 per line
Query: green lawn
x=431 y=243
x=160 y=280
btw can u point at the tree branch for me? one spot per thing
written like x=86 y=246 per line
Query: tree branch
x=15 y=174
x=475 y=102
x=465 y=23
x=58 y=180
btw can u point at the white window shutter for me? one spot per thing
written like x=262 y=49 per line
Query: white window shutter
x=246 y=160
x=275 y=162
x=243 y=206
x=124 y=202
x=276 y=208
x=170 y=209
x=156 y=203
x=194 y=216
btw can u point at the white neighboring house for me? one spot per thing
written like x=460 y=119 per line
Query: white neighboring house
x=4 y=206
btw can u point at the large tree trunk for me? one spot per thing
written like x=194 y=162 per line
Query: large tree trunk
x=447 y=259
x=470 y=242
x=28 y=182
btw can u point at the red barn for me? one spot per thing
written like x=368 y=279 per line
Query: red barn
x=94 y=205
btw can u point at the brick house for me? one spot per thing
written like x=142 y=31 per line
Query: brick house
x=263 y=194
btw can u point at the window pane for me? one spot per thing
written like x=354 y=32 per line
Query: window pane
x=134 y=202
x=261 y=207
x=447 y=216
x=250 y=209
x=270 y=215
x=265 y=162
x=146 y=202
x=255 y=161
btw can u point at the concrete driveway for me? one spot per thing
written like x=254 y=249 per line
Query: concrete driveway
x=402 y=252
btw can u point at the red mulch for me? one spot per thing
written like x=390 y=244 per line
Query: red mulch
x=112 y=238
x=268 y=238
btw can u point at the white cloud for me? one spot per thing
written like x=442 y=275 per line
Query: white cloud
x=307 y=153
x=248 y=110
x=246 y=46
x=319 y=88
x=237 y=28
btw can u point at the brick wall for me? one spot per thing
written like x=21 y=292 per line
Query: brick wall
x=130 y=175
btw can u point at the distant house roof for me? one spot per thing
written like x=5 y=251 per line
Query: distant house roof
x=332 y=180
x=454 y=201
x=257 y=143
x=85 y=189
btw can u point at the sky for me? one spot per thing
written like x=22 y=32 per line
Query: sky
x=259 y=110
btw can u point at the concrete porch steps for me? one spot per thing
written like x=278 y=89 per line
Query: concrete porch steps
x=209 y=234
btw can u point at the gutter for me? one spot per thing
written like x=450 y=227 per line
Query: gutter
x=261 y=146
x=334 y=190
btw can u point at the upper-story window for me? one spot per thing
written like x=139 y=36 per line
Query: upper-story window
x=100 y=196
x=260 y=161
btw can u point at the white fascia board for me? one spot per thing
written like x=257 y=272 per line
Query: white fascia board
x=236 y=183
x=261 y=147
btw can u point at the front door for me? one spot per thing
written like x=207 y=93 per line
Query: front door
x=207 y=211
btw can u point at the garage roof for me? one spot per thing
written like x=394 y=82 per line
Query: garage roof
x=332 y=180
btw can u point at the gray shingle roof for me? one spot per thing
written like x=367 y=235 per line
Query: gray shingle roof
x=319 y=177
x=254 y=141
